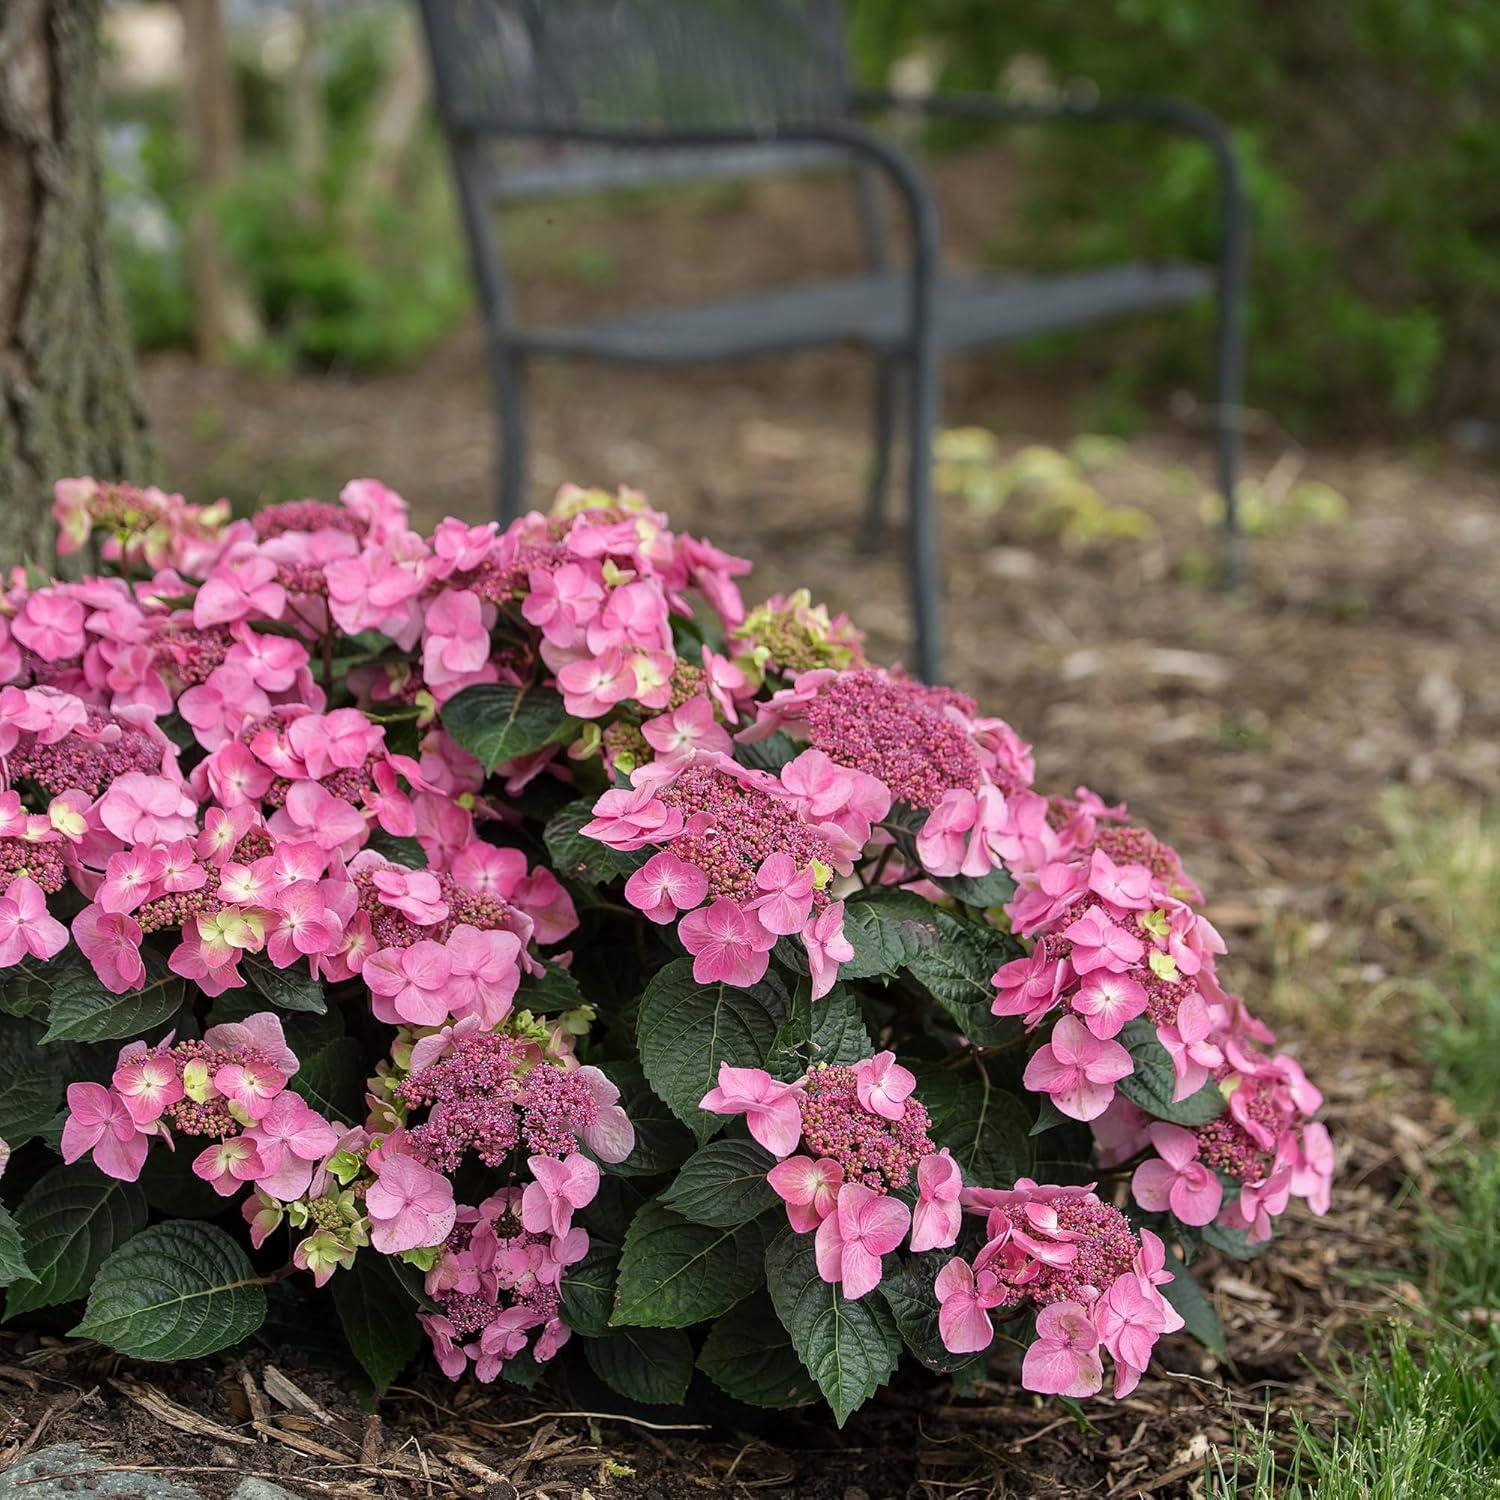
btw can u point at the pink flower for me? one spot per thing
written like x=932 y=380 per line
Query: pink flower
x=290 y=1138
x=1177 y=1180
x=414 y=893
x=51 y=625
x=325 y=743
x=455 y=642
x=112 y=944
x=142 y=809
x=864 y=1226
x=884 y=1085
x=827 y=792
x=1260 y=1202
x=664 y=886
x=611 y=1137
x=787 y=902
x=683 y=732
x=592 y=687
x=301 y=925
x=560 y=1187
x=1129 y=1319
x=770 y=1108
x=98 y=1121
x=827 y=947
x=629 y=820
x=1099 y=944
x=728 y=946
x=26 y=927
x=964 y=1301
x=635 y=614
x=1312 y=1172
x=263 y=1032
x=1064 y=1360
x=227 y=1165
x=242 y=584
x=1189 y=1041
x=562 y=603
x=410 y=984
x=147 y=1084
x=220 y=707
x=251 y=1086
x=1077 y=1069
x=936 y=1218
x=312 y=812
x=409 y=1206
x=961 y=834
x=1126 y=886
x=485 y=972
x=809 y=1188
x=1107 y=1001
x=1028 y=987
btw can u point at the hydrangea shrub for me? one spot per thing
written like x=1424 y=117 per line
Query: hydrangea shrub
x=513 y=938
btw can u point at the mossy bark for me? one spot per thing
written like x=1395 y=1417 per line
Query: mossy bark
x=68 y=403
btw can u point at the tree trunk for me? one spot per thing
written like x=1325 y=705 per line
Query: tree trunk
x=68 y=403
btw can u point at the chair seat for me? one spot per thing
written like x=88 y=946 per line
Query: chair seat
x=872 y=310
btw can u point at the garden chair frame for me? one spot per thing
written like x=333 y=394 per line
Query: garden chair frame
x=898 y=312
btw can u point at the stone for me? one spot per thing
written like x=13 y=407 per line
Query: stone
x=65 y=1471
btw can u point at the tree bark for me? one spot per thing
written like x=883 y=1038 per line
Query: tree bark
x=68 y=403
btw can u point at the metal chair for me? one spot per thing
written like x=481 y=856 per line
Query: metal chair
x=640 y=91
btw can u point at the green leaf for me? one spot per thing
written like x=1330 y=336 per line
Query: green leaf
x=985 y=1127
x=957 y=973
x=83 y=1010
x=553 y=990
x=830 y=1030
x=332 y=1079
x=686 y=1029
x=1150 y=1087
x=653 y=1365
x=13 y=1265
x=588 y=1289
x=33 y=1079
x=578 y=857
x=70 y=1220
x=908 y=1292
x=674 y=1274
x=723 y=1184
x=378 y=1318
x=292 y=989
x=496 y=723
x=170 y=1186
x=769 y=754
x=399 y=850
x=661 y=1143
x=887 y=930
x=175 y=1291
x=849 y=1348
x=749 y=1356
x=994 y=889
x=26 y=987
x=1193 y=1306
x=1235 y=1243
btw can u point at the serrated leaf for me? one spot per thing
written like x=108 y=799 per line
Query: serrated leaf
x=1193 y=1306
x=496 y=723
x=994 y=889
x=292 y=989
x=886 y=929
x=585 y=859
x=749 y=1356
x=588 y=1289
x=661 y=1142
x=723 y=1184
x=957 y=973
x=83 y=1010
x=830 y=1030
x=985 y=1127
x=175 y=1291
x=13 y=1265
x=1151 y=1086
x=168 y=1181
x=553 y=990
x=1235 y=1243
x=686 y=1029
x=397 y=849
x=25 y=987
x=654 y=1365
x=849 y=1348
x=33 y=1079
x=70 y=1220
x=907 y=1288
x=769 y=754
x=377 y=1317
x=674 y=1274
x=332 y=1079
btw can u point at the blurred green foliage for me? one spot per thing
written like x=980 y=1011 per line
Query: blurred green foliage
x=340 y=277
x=1372 y=141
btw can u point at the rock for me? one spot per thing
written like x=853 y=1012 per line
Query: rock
x=251 y=1488
x=65 y=1471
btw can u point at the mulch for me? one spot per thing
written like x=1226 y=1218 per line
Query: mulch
x=1258 y=732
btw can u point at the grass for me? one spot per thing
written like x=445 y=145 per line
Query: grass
x=1423 y=1396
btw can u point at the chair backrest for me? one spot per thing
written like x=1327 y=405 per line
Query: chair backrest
x=529 y=66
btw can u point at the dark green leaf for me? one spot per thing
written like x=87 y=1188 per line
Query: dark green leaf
x=723 y=1184
x=661 y=1143
x=994 y=889
x=687 y=1029
x=653 y=1365
x=70 y=1220
x=908 y=1291
x=1151 y=1086
x=769 y=754
x=13 y=1265
x=169 y=1184
x=887 y=930
x=830 y=1030
x=985 y=1127
x=496 y=723
x=588 y=1289
x=1193 y=1306
x=1235 y=1243
x=674 y=1274
x=26 y=987
x=292 y=989
x=400 y=851
x=581 y=858
x=33 y=1079
x=175 y=1291
x=849 y=1348
x=332 y=1079
x=957 y=972
x=553 y=990
x=378 y=1318
x=749 y=1356
x=83 y=1010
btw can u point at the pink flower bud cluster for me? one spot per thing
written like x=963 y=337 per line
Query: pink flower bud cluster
x=1092 y=1280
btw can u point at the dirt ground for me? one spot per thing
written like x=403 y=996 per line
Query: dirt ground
x=1258 y=732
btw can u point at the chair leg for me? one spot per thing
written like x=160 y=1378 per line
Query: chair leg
x=924 y=562
x=508 y=375
x=887 y=394
x=1229 y=393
